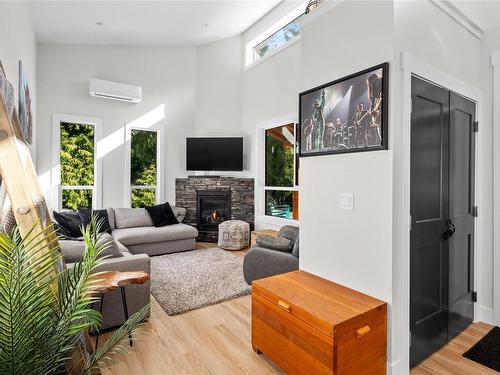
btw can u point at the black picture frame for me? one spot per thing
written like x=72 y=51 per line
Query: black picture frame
x=367 y=126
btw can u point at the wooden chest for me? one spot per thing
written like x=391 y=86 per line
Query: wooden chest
x=308 y=325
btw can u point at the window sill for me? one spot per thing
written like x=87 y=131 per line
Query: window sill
x=272 y=222
x=273 y=53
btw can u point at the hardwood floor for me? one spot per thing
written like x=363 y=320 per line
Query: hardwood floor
x=216 y=340
x=449 y=360
x=212 y=340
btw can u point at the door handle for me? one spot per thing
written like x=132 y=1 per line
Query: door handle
x=449 y=231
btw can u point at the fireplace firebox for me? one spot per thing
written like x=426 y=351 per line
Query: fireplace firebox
x=212 y=207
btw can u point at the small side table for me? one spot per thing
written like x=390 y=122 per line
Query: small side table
x=109 y=281
x=262 y=232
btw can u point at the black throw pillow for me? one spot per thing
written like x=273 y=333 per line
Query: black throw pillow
x=162 y=215
x=70 y=221
x=101 y=215
x=60 y=231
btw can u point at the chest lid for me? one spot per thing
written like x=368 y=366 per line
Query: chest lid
x=320 y=303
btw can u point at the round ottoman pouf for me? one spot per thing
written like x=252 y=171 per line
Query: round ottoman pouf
x=234 y=234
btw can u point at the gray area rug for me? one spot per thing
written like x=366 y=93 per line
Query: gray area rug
x=187 y=281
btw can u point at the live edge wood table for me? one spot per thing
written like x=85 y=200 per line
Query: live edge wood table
x=105 y=282
x=308 y=325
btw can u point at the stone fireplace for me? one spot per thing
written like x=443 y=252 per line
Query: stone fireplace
x=231 y=198
x=212 y=208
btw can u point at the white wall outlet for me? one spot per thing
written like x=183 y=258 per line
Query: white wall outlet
x=346 y=201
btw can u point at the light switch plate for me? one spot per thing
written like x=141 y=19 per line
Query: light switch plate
x=346 y=201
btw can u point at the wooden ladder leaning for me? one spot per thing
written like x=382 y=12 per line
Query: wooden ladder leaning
x=19 y=181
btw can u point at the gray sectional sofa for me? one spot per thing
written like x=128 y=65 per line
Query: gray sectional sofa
x=134 y=239
x=134 y=229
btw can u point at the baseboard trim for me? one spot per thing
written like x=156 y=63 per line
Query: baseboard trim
x=395 y=368
x=484 y=314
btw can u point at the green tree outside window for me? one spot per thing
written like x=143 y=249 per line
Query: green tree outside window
x=77 y=164
x=143 y=167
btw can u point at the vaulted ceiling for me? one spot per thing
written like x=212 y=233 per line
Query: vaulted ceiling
x=187 y=23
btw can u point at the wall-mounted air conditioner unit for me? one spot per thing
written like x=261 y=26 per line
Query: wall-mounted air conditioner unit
x=115 y=91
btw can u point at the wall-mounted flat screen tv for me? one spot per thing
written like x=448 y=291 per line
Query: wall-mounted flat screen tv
x=214 y=154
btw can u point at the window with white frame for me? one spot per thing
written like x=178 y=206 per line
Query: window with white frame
x=281 y=195
x=144 y=171
x=276 y=37
x=77 y=165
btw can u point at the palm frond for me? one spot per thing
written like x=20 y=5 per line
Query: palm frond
x=40 y=325
x=118 y=343
x=25 y=303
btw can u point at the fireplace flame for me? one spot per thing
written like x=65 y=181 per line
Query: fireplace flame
x=214 y=216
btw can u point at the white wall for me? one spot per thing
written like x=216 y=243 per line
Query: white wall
x=167 y=76
x=18 y=42
x=270 y=95
x=490 y=43
x=219 y=88
x=334 y=243
x=353 y=248
x=269 y=88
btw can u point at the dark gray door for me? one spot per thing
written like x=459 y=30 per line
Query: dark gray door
x=461 y=243
x=429 y=212
x=442 y=233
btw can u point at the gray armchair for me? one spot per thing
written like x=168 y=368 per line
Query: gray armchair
x=273 y=255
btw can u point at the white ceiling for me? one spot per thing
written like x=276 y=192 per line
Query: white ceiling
x=187 y=23
x=484 y=13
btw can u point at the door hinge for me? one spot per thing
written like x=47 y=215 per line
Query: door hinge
x=410 y=339
x=411 y=106
x=475 y=126
x=410 y=223
x=474 y=296
x=474 y=211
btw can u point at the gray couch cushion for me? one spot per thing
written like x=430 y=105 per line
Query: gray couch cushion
x=73 y=250
x=179 y=212
x=275 y=243
x=111 y=217
x=132 y=218
x=291 y=232
x=144 y=235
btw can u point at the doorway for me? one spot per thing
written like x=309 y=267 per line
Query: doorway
x=442 y=212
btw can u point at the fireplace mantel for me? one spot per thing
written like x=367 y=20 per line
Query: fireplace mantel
x=241 y=192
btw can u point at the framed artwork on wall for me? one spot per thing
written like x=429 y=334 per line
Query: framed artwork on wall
x=6 y=92
x=347 y=115
x=25 y=110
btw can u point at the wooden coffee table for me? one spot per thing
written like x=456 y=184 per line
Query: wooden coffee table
x=109 y=281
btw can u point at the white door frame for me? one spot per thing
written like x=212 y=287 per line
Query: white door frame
x=411 y=65
x=55 y=171
x=495 y=63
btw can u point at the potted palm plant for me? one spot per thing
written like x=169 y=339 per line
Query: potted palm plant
x=45 y=314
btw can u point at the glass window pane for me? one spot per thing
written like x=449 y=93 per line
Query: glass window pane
x=77 y=154
x=282 y=204
x=280 y=37
x=143 y=157
x=280 y=154
x=143 y=197
x=75 y=199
